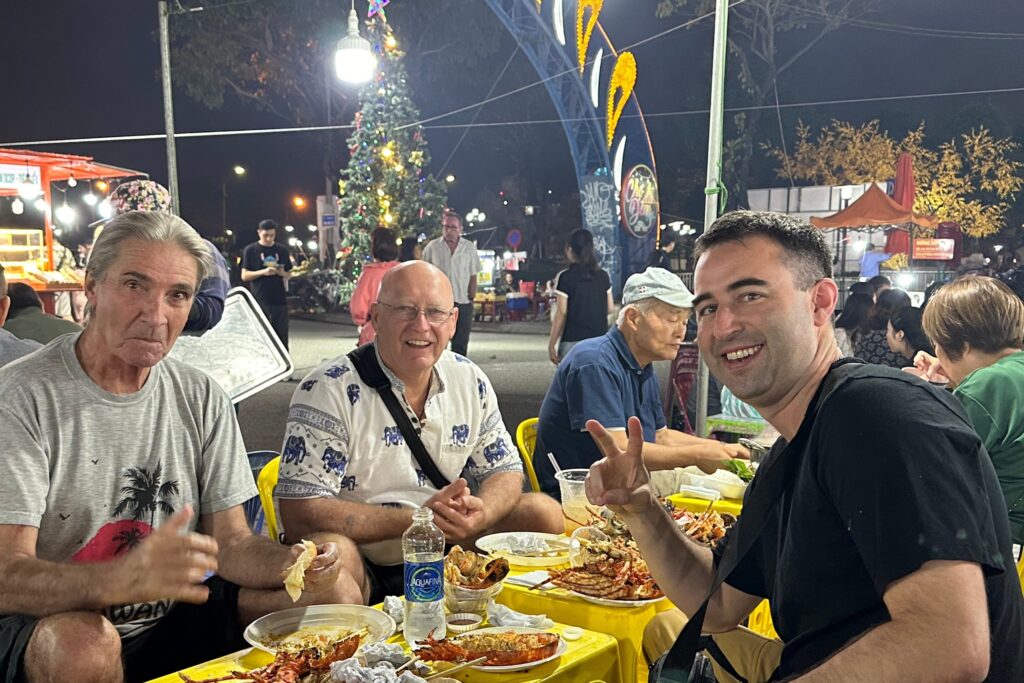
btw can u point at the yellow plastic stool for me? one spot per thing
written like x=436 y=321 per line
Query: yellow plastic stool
x=1020 y=570
x=526 y=439
x=265 y=484
x=760 y=621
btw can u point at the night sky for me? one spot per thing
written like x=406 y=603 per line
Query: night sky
x=76 y=69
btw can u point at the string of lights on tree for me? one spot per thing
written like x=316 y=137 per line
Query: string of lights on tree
x=384 y=184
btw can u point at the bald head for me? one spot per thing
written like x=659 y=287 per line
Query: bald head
x=415 y=277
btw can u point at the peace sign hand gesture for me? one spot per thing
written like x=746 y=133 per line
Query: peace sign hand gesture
x=619 y=479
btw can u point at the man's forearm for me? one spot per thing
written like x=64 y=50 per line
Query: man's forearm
x=897 y=652
x=250 y=275
x=360 y=522
x=253 y=562
x=660 y=456
x=39 y=588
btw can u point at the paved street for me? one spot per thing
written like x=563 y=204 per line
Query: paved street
x=516 y=362
x=517 y=365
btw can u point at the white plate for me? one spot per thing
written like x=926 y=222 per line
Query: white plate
x=488 y=543
x=349 y=617
x=559 y=651
x=615 y=603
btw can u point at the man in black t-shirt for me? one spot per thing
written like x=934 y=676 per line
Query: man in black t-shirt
x=266 y=266
x=881 y=539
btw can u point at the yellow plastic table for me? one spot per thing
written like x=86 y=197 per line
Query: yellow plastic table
x=699 y=505
x=591 y=658
x=626 y=624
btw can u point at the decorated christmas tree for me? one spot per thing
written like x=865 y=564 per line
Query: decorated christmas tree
x=384 y=184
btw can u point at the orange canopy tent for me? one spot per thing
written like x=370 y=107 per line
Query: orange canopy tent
x=40 y=169
x=874 y=207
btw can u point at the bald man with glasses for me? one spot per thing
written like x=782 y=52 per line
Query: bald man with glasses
x=348 y=467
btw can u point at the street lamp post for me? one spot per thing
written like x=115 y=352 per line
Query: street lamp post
x=239 y=172
x=354 y=61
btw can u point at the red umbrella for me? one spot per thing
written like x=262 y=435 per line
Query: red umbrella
x=898 y=239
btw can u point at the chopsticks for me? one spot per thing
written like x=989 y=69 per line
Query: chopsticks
x=457 y=667
x=408 y=665
x=538 y=585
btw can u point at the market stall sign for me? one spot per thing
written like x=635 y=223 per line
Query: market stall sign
x=12 y=176
x=639 y=199
x=930 y=249
x=514 y=238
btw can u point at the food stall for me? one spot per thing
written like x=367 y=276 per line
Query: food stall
x=27 y=254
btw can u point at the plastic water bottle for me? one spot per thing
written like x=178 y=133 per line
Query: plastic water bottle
x=423 y=550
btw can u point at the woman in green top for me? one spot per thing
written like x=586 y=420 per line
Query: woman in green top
x=977 y=327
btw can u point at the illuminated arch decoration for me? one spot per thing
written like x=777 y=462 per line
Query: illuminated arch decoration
x=592 y=88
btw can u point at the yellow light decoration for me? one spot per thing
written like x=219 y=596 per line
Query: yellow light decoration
x=380 y=192
x=388 y=218
x=416 y=158
x=387 y=152
x=539 y=3
x=583 y=36
x=390 y=42
x=622 y=82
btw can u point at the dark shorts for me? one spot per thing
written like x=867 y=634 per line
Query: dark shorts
x=384 y=580
x=188 y=635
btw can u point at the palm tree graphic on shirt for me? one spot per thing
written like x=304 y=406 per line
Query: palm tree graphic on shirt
x=144 y=495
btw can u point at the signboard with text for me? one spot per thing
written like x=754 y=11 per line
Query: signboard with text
x=639 y=199
x=930 y=249
x=12 y=176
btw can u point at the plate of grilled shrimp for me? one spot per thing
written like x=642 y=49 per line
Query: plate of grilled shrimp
x=607 y=571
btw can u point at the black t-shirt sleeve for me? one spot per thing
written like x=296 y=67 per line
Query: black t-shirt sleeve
x=284 y=258
x=747 y=575
x=251 y=259
x=907 y=478
x=563 y=282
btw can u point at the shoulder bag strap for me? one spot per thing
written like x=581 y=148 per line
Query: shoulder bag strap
x=364 y=359
x=773 y=484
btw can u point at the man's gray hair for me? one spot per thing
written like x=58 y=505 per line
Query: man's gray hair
x=147 y=226
x=643 y=306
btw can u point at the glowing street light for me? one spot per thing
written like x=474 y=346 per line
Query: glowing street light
x=90 y=199
x=105 y=210
x=239 y=170
x=312 y=228
x=18 y=206
x=353 y=60
x=65 y=214
x=298 y=202
x=289 y=228
x=311 y=245
x=449 y=178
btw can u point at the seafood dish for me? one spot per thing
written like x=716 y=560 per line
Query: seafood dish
x=705 y=529
x=612 y=570
x=468 y=569
x=311 y=665
x=500 y=647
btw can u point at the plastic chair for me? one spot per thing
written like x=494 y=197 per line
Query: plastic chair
x=760 y=621
x=253 y=508
x=265 y=484
x=526 y=439
x=1020 y=570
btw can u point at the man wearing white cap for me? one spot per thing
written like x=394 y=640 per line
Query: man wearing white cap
x=611 y=378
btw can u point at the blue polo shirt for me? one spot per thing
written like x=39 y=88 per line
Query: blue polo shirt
x=599 y=380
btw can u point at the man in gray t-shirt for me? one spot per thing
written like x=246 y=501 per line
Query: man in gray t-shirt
x=122 y=481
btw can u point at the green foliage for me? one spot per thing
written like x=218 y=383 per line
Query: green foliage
x=384 y=184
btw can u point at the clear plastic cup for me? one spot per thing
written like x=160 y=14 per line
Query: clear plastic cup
x=574 y=498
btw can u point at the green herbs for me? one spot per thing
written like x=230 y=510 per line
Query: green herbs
x=741 y=468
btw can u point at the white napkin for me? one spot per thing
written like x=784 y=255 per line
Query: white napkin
x=499 y=615
x=384 y=652
x=530 y=579
x=395 y=608
x=522 y=544
x=350 y=671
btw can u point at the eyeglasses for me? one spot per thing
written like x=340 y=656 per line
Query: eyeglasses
x=434 y=316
